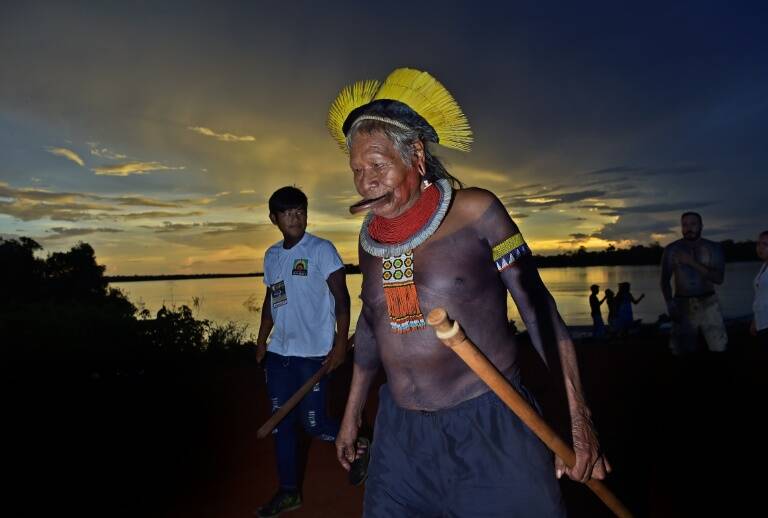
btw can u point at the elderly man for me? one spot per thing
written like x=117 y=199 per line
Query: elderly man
x=697 y=264
x=443 y=444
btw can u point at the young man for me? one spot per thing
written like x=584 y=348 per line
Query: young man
x=307 y=310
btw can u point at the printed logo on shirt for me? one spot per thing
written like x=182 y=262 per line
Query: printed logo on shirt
x=279 y=296
x=300 y=267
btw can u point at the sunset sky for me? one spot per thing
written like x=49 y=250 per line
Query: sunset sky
x=155 y=131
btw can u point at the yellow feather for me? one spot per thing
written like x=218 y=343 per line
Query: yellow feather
x=427 y=97
x=419 y=90
x=351 y=97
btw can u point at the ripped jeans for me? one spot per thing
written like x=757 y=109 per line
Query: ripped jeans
x=285 y=375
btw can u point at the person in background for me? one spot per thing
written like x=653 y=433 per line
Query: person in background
x=610 y=301
x=697 y=264
x=624 y=299
x=759 y=326
x=306 y=309
x=598 y=326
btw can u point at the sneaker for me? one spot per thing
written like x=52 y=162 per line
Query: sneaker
x=282 y=502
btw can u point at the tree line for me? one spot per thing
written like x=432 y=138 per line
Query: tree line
x=61 y=308
x=637 y=255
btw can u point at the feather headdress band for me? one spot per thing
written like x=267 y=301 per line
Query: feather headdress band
x=407 y=98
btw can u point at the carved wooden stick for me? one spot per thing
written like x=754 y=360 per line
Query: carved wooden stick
x=451 y=334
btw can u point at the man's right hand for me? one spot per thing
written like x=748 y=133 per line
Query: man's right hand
x=346 y=443
x=673 y=310
x=261 y=351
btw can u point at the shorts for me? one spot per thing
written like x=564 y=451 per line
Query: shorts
x=698 y=314
x=477 y=459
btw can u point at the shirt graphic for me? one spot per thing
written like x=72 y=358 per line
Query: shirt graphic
x=300 y=267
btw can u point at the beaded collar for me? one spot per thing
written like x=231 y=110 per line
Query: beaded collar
x=378 y=249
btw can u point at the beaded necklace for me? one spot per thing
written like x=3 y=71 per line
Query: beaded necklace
x=393 y=240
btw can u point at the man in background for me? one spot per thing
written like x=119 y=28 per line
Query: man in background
x=697 y=265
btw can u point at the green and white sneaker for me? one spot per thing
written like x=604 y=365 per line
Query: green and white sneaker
x=282 y=502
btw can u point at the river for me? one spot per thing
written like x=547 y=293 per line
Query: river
x=239 y=299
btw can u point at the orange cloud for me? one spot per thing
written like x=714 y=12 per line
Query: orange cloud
x=129 y=168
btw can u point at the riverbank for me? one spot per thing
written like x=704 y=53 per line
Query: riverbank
x=178 y=439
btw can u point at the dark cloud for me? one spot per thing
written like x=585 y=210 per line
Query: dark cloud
x=636 y=228
x=650 y=208
x=158 y=215
x=211 y=228
x=63 y=232
x=617 y=170
x=653 y=171
x=544 y=200
x=31 y=211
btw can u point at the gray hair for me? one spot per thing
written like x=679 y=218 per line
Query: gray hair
x=403 y=139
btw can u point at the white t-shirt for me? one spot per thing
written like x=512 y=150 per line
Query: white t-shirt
x=760 y=305
x=303 y=308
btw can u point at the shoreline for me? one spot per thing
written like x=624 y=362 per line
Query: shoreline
x=351 y=269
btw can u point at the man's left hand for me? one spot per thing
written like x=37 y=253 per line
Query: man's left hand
x=684 y=258
x=590 y=463
x=337 y=355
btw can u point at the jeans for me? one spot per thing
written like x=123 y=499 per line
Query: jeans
x=285 y=375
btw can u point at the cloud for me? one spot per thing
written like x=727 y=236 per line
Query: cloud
x=32 y=204
x=103 y=152
x=63 y=232
x=652 y=171
x=144 y=201
x=214 y=228
x=66 y=153
x=158 y=214
x=129 y=168
x=636 y=228
x=548 y=199
x=651 y=208
x=617 y=170
x=29 y=210
x=224 y=137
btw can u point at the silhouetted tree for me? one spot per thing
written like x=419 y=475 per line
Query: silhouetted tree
x=75 y=274
x=21 y=272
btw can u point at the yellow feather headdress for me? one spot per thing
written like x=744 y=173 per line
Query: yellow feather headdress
x=419 y=91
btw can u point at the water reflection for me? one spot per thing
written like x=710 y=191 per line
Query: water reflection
x=240 y=299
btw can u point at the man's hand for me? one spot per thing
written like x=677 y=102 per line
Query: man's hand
x=261 y=351
x=682 y=257
x=590 y=463
x=338 y=354
x=673 y=310
x=346 y=443
x=335 y=357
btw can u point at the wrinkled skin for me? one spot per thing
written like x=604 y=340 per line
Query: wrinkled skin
x=454 y=270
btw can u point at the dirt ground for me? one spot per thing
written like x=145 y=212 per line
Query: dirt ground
x=180 y=440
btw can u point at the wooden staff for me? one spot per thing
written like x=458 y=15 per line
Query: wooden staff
x=278 y=416
x=451 y=334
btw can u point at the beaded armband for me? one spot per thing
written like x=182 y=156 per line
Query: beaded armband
x=509 y=250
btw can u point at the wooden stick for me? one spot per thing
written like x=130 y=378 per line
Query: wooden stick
x=451 y=334
x=278 y=416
